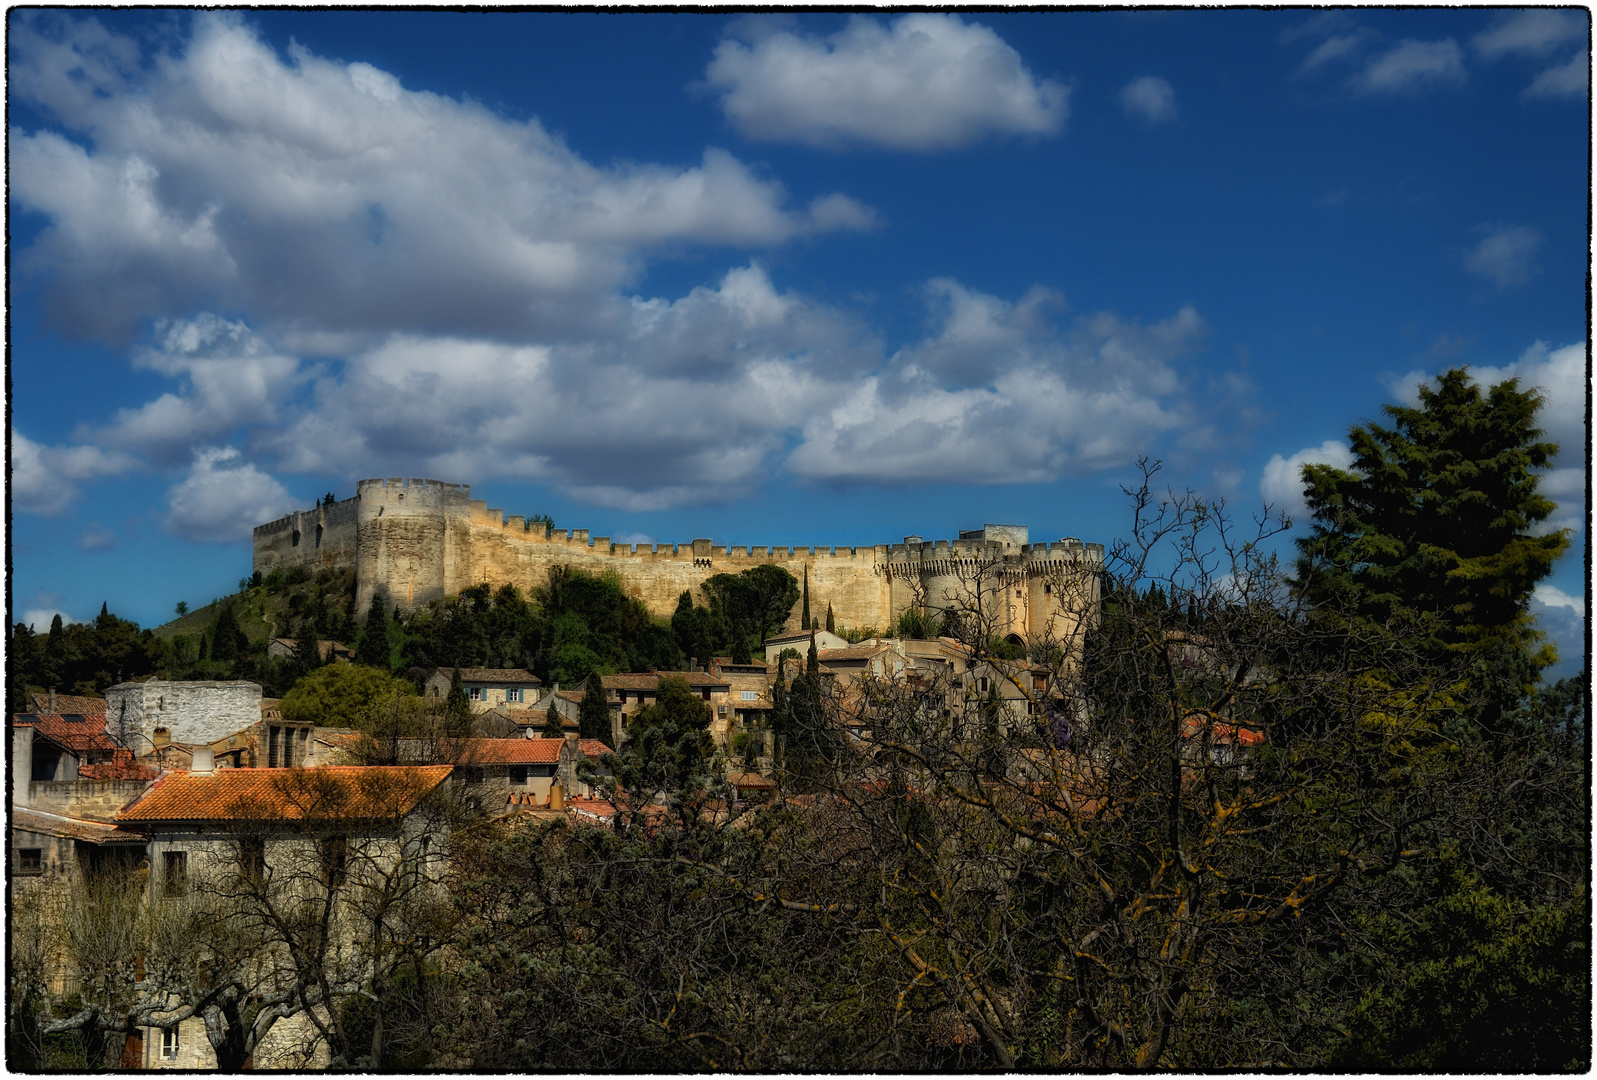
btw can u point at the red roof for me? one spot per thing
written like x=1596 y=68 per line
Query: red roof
x=518 y=751
x=348 y=792
x=120 y=767
x=80 y=736
x=1220 y=731
x=69 y=703
x=594 y=808
x=94 y=832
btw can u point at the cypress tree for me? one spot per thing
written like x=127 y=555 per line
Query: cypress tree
x=804 y=618
x=457 y=709
x=740 y=643
x=373 y=647
x=831 y=625
x=307 y=651
x=553 y=727
x=594 y=713
x=227 y=640
x=812 y=664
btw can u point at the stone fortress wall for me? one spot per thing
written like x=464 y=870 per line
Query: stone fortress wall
x=420 y=540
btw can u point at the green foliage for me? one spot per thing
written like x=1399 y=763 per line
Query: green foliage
x=83 y=658
x=804 y=615
x=553 y=726
x=760 y=598
x=667 y=743
x=1476 y=983
x=227 y=640
x=831 y=623
x=915 y=626
x=373 y=647
x=332 y=696
x=593 y=715
x=1433 y=525
x=457 y=708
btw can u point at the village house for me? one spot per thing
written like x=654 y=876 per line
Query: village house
x=486 y=688
x=328 y=652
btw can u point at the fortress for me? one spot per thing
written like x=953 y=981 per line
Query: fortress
x=419 y=540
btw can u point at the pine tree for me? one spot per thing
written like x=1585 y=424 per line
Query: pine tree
x=227 y=640
x=553 y=727
x=457 y=709
x=831 y=625
x=1433 y=523
x=307 y=650
x=593 y=716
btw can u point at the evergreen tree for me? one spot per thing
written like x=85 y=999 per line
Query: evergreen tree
x=668 y=742
x=307 y=650
x=553 y=727
x=373 y=647
x=1433 y=528
x=804 y=617
x=831 y=624
x=457 y=709
x=593 y=716
x=740 y=643
x=227 y=640
x=812 y=663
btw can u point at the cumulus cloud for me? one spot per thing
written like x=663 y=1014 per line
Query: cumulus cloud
x=1562 y=618
x=44 y=479
x=1336 y=47
x=1282 y=484
x=922 y=82
x=1563 y=80
x=223 y=498
x=39 y=619
x=1534 y=32
x=1506 y=254
x=233 y=377
x=326 y=196
x=1411 y=67
x=1149 y=97
x=996 y=396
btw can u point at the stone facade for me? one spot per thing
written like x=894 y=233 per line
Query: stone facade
x=143 y=715
x=419 y=540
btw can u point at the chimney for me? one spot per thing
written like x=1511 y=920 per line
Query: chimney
x=557 y=796
x=52 y=700
x=204 y=761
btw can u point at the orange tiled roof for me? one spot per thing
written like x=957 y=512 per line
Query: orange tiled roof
x=593 y=747
x=120 y=767
x=95 y=832
x=651 y=680
x=346 y=793
x=518 y=751
x=1220 y=731
x=516 y=676
x=80 y=736
x=749 y=780
x=69 y=703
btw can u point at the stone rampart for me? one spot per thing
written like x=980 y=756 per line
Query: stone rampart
x=417 y=540
x=324 y=536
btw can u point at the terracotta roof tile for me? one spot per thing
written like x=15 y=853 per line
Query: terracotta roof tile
x=593 y=747
x=69 y=703
x=120 y=767
x=94 y=832
x=749 y=780
x=85 y=734
x=651 y=680
x=517 y=676
x=348 y=793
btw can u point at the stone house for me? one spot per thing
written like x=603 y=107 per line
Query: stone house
x=55 y=746
x=144 y=716
x=799 y=641
x=498 y=776
x=486 y=688
x=284 y=648
x=333 y=824
x=629 y=693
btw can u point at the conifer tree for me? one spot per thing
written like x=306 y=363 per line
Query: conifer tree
x=1434 y=523
x=831 y=624
x=593 y=716
x=741 y=653
x=373 y=646
x=812 y=663
x=227 y=640
x=457 y=709
x=307 y=650
x=804 y=616
x=553 y=727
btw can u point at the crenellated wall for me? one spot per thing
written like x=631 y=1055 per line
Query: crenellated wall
x=418 y=540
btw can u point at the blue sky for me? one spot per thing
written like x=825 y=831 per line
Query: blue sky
x=816 y=279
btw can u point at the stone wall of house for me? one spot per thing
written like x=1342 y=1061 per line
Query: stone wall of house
x=191 y=713
x=97 y=800
x=417 y=540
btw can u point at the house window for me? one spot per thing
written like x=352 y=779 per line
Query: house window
x=475 y=693
x=252 y=858
x=30 y=860
x=723 y=712
x=176 y=880
x=751 y=695
x=518 y=774
x=513 y=694
x=472 y=774
x=169 y=1043
x=706 y=695
x=983 y=685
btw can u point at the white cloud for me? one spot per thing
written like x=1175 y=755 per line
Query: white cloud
x=1565 y=80
x=1282 y=484
x=1506 y=254
x=997 y=397
x=324 y=197
x=923 y=82
x=44 y=479
x=1535 y=32
x=1337 y=47
x=39 y=619
x=1552 y=596
x=1412 y=66
x=1149 y=97
x=234 y=377
x=223 y=498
